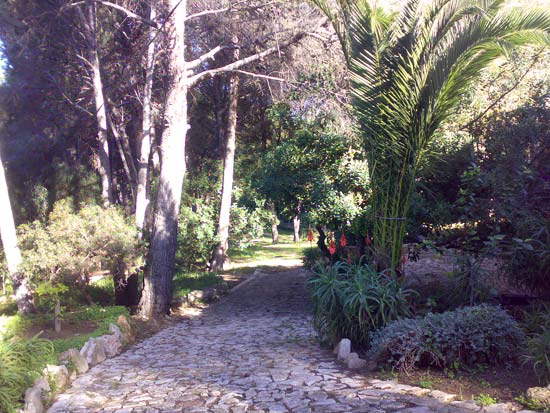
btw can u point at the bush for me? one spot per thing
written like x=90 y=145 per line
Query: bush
x=20 y=364
x=196 y=234
x=75 y=244
x=353 y=300
x=247 y=225
x=465 y=337
x=538 y=353
x=312 y=257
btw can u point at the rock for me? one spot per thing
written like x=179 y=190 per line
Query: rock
x=127 y=328
x=115 y=330
x=354 y=362
x=74 y=359
x=499 y=408
x=111 y=344
x=442 y=396
x=93 y=352
x=343 y=349
x=57 y=376
x=33 y=400
x=540 y=395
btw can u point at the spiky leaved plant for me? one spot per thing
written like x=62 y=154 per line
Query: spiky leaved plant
x=408 y=72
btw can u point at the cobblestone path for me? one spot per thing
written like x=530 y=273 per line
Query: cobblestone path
x=254 y=351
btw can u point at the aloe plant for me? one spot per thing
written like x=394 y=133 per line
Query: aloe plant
x=408 y=72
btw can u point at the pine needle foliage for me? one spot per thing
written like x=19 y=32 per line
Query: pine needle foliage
x=409 y=71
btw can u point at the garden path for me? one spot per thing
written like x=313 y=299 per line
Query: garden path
x=254 y=351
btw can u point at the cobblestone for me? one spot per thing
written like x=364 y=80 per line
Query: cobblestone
x=254 y=351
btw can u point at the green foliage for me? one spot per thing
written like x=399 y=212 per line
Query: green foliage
x=196 y=233
x=312 y=256
x=538 y=354
x=354 y=300
x=468 y=336
x=485 y=399
x=73 y=244
x=247 y=225
x=316 y=172
x=21 y=362
x=185 y=282
x=408 y=79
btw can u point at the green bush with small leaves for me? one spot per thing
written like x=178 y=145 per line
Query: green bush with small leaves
x=468 y=336
x=74 y=244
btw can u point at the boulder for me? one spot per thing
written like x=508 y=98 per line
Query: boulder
x=115 y=330
x=343 y=349
x=74 y=360
x=354 y=362
x=111 y=344
x=33 y=400
x=540 y=395
x=93 y=352
x=57 y=376
x=127 y=328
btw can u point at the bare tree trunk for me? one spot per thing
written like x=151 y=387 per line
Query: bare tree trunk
x=274 y=224
x=23 y=295
x=90 y=27
x=158 y=278
x=142 y=198
x=296 y=222
x=220 y=252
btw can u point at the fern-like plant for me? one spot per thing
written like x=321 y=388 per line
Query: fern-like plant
x=409 y=72
x=21 y=361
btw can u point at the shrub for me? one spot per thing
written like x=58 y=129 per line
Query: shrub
x=20 y=364
x=353 y=300
x=464 y=337
x=312 y=256
x=196 y=234
x=538 y=353
x=247 y=225
x=74 y=244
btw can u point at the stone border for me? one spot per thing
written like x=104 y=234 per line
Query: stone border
x=56 y=378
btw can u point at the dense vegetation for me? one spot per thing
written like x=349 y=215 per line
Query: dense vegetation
x=141 y=154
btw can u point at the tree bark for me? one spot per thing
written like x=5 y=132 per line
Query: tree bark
x=90 y=28
x=274 y=226
x=220 y=252
x=158 y=278
x=21 y=289
x=142 y=197
x=296 y=224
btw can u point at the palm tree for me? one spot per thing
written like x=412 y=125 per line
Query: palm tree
x=408 y=72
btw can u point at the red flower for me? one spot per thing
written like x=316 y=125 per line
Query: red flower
x=310 y=235
x=343 y=240
x=368 y=241
x=332 y=247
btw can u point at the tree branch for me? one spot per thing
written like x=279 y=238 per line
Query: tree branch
x=231 y=67
x=115 y=6
x=207 y=56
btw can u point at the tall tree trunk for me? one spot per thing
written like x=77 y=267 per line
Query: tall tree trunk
x=296 y=224
x=142 y=197
x=158 y=278
x=89 y=22
x=220 y=252
x=23 y=295
x=274 y=225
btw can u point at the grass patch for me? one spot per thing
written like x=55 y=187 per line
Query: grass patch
x=185 y=282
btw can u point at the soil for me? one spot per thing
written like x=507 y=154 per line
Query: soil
x=502 y=384
x=68 y=329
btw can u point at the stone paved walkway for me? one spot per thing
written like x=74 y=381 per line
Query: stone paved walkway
x=254 y=351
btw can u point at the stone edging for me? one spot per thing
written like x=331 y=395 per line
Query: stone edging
x=55 y=378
